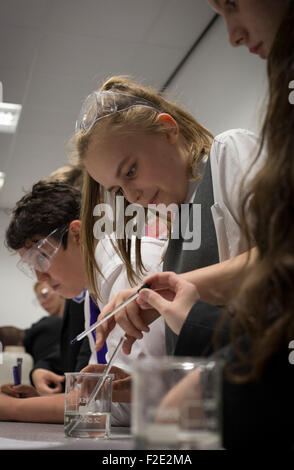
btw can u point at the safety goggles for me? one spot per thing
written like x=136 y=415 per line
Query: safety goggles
x=100 y=104
x=40 y=256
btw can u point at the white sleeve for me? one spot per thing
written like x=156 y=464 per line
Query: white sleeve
x=232 y=156
x=114 y=271
x=152 y=343
x=115 y=279
x=93 y=357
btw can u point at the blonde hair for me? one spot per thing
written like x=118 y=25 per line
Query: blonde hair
x=195 y=139
x=70 y=174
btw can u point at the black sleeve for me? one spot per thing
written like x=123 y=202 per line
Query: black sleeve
x=74 y=356
x=260 y=414
x=42 y=341
x=83 y=356
x=197 y=334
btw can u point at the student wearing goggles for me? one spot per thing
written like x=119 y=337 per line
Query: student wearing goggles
x=49 y=252
x=100 y=104
x=40 y=256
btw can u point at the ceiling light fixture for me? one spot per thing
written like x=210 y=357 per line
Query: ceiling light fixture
x=9 y=114
x=2 y=179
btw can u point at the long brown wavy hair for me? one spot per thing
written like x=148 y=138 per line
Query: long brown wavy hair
x=263 y=312
x=195 y=139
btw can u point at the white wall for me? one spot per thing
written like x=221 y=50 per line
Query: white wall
x=222 y=86
x=16 y=290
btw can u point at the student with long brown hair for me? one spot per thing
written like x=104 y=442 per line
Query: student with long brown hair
x=258 y=408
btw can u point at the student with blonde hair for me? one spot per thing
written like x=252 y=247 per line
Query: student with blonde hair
x=137 y=144
x=258 y=386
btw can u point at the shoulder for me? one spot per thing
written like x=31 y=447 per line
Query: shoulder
x=234 y=134
x=237 y=147
x=152 y=251
x=235 y=139
x=106 y=256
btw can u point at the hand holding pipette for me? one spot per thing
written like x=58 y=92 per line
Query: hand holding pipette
x=109 y=315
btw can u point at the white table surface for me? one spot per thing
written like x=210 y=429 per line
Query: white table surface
x=36 y=436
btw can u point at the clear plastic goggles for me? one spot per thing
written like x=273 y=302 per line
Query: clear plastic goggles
x=100 y=104
x=39 y=257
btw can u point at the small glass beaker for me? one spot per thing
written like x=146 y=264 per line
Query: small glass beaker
x=86 y=415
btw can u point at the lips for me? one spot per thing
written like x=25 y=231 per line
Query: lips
x=258 y=50
x=153 y=200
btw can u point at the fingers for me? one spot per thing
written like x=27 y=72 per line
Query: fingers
x=103 y=331
x=128 y=318
x=155 y=300
x=128 y=343
x=49 y=390
x=122 y=390
x=26 y=391
x=93 y=368
x=53 y=384
x=127 y=321
x=173 y=298
x=161 y=280
x=9 y=389
x=19 y=391
x=169 y=289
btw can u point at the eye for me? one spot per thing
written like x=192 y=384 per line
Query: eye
x=41 y=262
x=41 y=257
x=132 y=171
x=231 y=3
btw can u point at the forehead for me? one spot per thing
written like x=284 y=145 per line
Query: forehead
x=30 y=242
x=103 y=157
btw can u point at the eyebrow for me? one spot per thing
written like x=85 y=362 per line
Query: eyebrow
x=118 y=171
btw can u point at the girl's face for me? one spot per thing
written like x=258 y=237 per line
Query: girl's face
x=146 y=168
x=252 y=23
x=50 y=300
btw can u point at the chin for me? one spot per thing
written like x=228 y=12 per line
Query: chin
x=67 y=293
x=71 y=293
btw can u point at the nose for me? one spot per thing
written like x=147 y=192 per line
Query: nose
x=42 y=276
x=133 y=195
x=237 y=35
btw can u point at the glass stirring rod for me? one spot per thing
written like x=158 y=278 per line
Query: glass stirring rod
x=110 y=314
x=87 y=409
x=106 y=371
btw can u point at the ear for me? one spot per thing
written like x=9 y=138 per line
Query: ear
x=170 y=125
x=75 y=231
